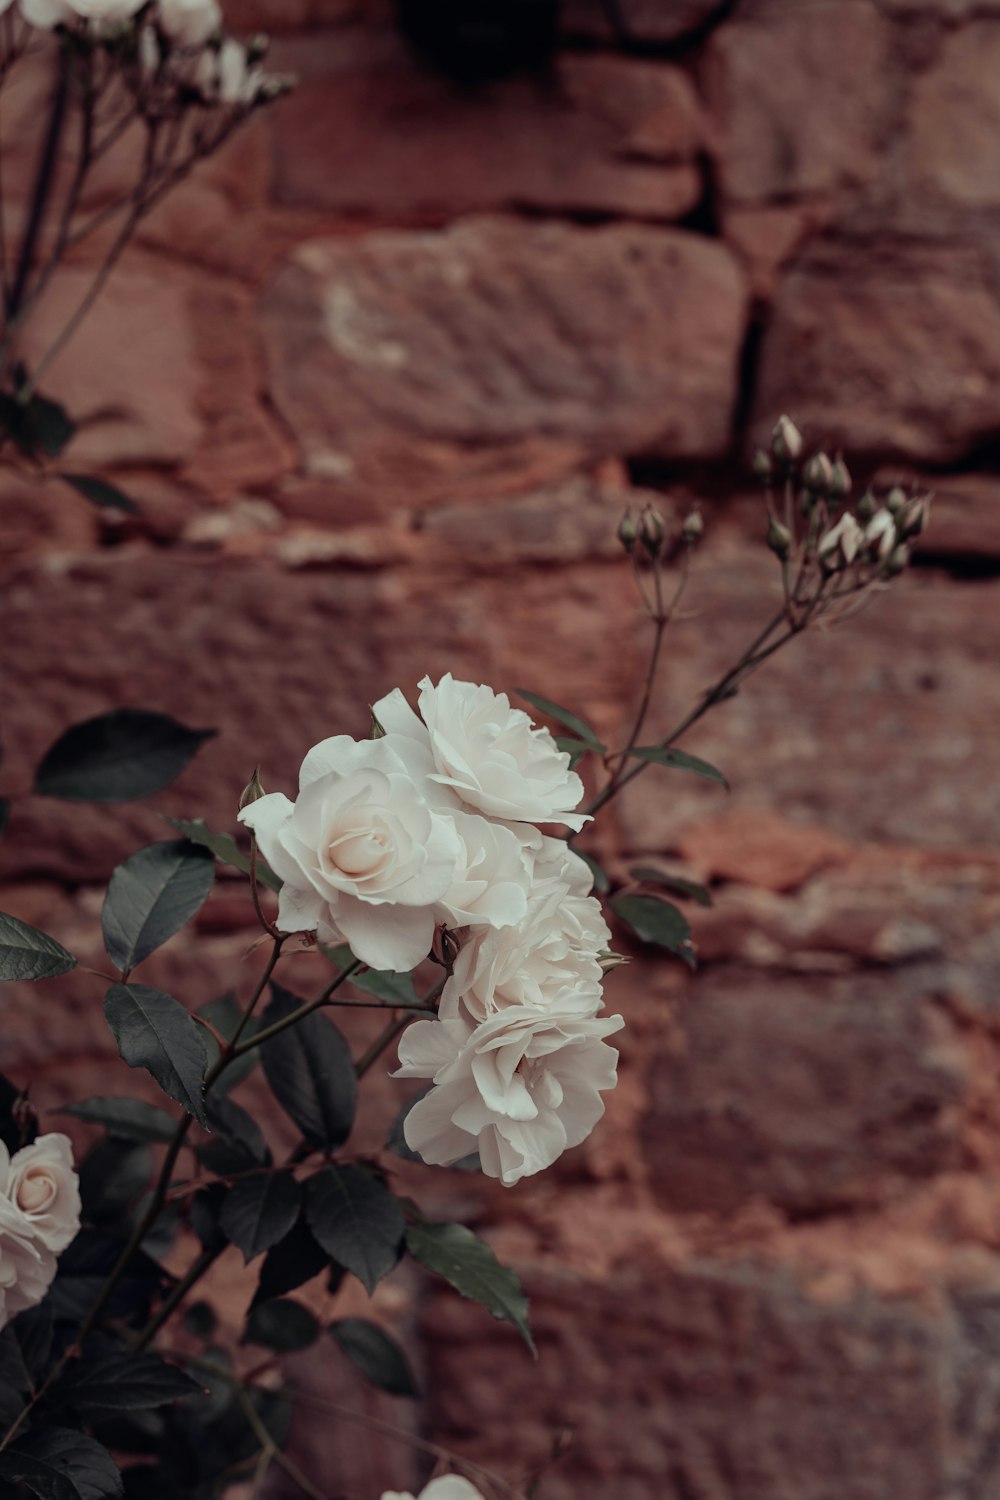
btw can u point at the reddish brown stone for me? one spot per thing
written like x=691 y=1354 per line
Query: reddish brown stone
x=759 y=848
x=887 y=349
x=421 y=364
x=953 y=120
x=640 y=21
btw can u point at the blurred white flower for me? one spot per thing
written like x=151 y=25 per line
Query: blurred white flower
x=839 y=546
x=446 y=1487
x=189 y=23
x=880 y=533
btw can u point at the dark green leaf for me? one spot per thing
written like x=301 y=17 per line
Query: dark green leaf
x=113 y=1177
x=86 y=1264
x=226 y=850
x=99 y=492
x=289 y=1264
x=470 y=1266
x=57 y=1464
x=36 y=425
x=282 y=1325
x=394 y=989
x=680 y=761
x=225 y=1014
x=25 y=1349
x=238 y=1130
x=376 y=1355
x=200 y=1319
x=151 y=896
x=18 y=1122
x=574 y=748
x=118 y=757
x=659 y=922
x=120 y=1382
x=601 y=881
x=580 y=728
x=26 y=953
x=676 y=883
x=125 y=1119
x=204 y=1214
x=311 y=1072
x=156 y=1033
x=356 y=1220
x=259 y=1211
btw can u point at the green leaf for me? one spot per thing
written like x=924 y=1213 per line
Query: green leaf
x=154 y=1032
x=356 y=1220
x=679 y=760
x=469 y=1265
x=574 y=748
x=394 y=989
x=226 y=850
x=656 y=921
x=25 y=1349
x=120 y=1382
x=225 y=1014
x=113 y=1177
x=601 y=881
x=282 y=1325
x=118 y=757
x=311 y=1072
x=124 y=1119
x=57 y=1464
x=676 y=883
x=151 y=896
x=238 y=1135
x=580 y=728
x=36 y=425
x=259 y=1211
x=376 y=1355
x=26 y=953
x=293 y=1261
x=99 y=492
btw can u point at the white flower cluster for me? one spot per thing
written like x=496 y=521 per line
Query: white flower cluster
x=434 y=825
x=446 y=1487
x=39 y=1215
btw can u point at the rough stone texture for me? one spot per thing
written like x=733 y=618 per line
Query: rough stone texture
x=954 y=118
x=798 y=97
x=642 y=21
x=888 y=349
x=492 y=352
x=595 y=135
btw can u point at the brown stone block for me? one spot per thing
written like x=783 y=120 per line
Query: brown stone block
x=414 y=365
x=953 y=119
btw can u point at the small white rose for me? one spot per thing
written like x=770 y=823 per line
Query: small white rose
x=880 y=533
x=839 y=546
x=43 y=1184
x=488 y=754
x=446 y=1487
x=493 y=877
x=362 y=856
x=520 y=1088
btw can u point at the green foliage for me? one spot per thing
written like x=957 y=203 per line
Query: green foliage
x=125 y=1119
x=295 y=1260
x=649 y=875
x=154 y=1032
x=282 y=1325
x=581 y=730
x=226 y=1015
x=151 y=896
x=357 y=1221
x=226 y=850
x=100 y=493
x=394 y=989
x=113 y=1177
x=311 y=1072
x=376 y=1355
x=238 y=1144
x=469 y=1265
x=118 y=757
x=36 y=425
x=656 y=921
x=56 y=1463
x=27 y=953
x=678 y=760
x=259 y=1211
x=118 y=1382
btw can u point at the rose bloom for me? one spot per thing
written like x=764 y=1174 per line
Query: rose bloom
x=487 y=754
x=26 y=1267
x=41 y=1183
x=520 y=1088
x=447 y=1487
x=189 y=23
x=493 y=876
x=362 y=856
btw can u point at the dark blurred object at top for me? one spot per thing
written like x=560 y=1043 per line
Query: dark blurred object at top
x=475 y=40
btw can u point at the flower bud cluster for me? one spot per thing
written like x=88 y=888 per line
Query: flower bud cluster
x=647 y=533
x=431 y=832
x=39 y=1215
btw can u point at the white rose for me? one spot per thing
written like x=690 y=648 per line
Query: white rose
x=493 y=877
x=488 y=754
x=42 y=1183
x=27 y=1268
x=447 y=1487
x=362 y=855
x=520 y=1088
x=189 y=23
x=47 y=13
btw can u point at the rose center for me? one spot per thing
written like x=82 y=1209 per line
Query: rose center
x=36 y=1192
x=361 y=854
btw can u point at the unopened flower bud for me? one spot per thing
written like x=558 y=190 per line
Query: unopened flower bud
x=692 y=528
x=651 y=531
x=253 y=791
x=839 y=546
x=880 y=534
x=913 y=517
x=763 y=468
x=818 y=474
x=258 y=47
x=377 y=731
x=786 y=441
x=866 y=506
x=840 y=480
x=896 y=561
x=779 y=539
x=895 y=500
x=609 y=960
x=627 y=531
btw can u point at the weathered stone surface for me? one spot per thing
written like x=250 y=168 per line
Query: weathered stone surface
x=815 y=1093
x=371 y=129
x=954 y=117
x=641 y=21
x=965 y=514
x=799 y=97
x=421 y=364
x=887 y=349
x=727 y=1380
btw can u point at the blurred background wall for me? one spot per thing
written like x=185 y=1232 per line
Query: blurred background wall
x=382 y=378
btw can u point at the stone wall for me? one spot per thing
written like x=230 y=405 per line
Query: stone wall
x=382 y=377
